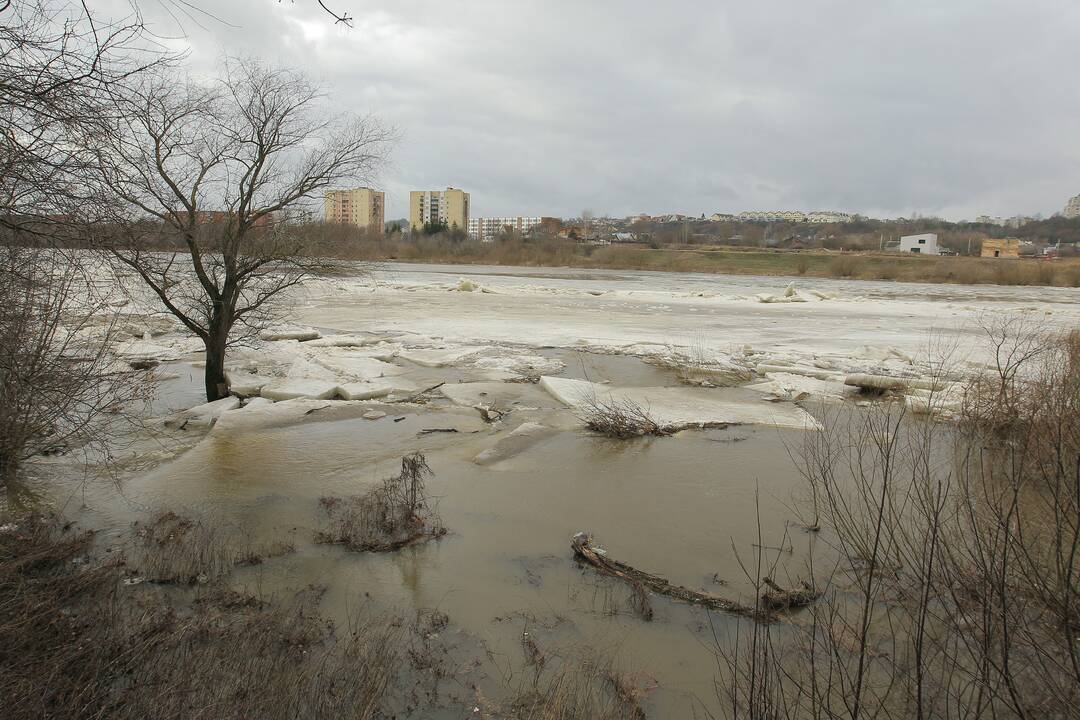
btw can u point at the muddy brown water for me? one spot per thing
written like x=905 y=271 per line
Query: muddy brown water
x=687 y=507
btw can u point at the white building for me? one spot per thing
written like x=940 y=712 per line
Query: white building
x=925 y=244
x=828 y=216
x=1072 y=208
x=487 y=229
x=773 y=216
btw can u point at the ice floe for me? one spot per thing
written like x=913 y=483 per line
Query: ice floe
x=520 y=439
x=376 y=388
x=345 y=341
x=678 y=407
x=246 y=384
x=791 y=387
x=205 y=414
x=437 y=358
x=290 y=333
x=292 y=388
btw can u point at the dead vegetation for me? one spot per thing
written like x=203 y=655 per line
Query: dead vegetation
x=393 y=515
x=59 y=389
x=621 y=419
x=585 y=687
x=75 y=643
x=958 y=577
x=184 y=550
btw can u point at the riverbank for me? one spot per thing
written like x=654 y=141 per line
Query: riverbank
x=733 y=261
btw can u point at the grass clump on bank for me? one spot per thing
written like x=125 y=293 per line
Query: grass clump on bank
x=184 y=550
x=391 y=516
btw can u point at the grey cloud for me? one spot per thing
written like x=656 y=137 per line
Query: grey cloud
x=890 y=107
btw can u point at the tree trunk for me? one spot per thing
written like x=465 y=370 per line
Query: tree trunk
x=217 y=386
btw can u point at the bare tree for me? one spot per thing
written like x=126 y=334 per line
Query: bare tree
x=199 y=180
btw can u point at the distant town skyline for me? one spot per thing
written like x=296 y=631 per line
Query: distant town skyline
x=624 y=107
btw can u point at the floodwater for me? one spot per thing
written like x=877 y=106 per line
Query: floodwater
x=696 y=508
x=686 y=507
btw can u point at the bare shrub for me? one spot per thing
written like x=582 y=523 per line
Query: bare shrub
x=845 y=265
x=887 y=271
x=956 y=584
x=622 y=419
x=395 y=514
x=58 y=386
x=696 y=364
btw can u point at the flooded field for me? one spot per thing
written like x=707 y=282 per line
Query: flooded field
x=460 y=358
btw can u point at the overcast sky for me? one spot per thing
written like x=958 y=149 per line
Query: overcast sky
x=883 y=107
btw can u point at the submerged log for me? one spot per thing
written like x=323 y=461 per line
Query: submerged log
x=585 y=552
x=773 y=600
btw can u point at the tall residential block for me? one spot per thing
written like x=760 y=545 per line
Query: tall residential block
x=449 y=207
x=362 y=207
x=1072 y=208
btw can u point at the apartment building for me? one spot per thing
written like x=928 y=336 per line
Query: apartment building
x=489 y=228
x=828 y=216
x=1072 y=208
x=449 y=207
x=362 y=207
x=773 y=216
x=796 y=216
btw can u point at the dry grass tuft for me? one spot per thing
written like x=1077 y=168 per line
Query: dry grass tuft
x=178 y=549
x=587 y=688
x=391 y=516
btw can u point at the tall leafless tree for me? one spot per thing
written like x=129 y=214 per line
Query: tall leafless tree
x=201 y=179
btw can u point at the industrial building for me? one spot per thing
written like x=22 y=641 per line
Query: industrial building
x=924 y=244
x=1004 y=248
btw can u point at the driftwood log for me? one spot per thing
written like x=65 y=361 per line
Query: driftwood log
x=778 y=598
x=772 y=601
